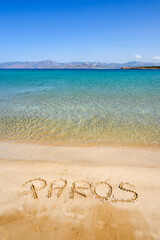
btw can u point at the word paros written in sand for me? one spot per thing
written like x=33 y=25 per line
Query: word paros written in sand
x=100 y=190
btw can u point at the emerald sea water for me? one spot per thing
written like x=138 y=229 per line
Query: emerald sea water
x=80 y=106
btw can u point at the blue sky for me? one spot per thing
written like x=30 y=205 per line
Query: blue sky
x=80 y=30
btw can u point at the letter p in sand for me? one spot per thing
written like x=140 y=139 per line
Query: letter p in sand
x=38 y=185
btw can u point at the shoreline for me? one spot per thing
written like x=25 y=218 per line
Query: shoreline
x=82 y=155
x=84 y=144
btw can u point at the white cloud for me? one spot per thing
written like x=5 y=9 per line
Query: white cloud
x=156 y=58
x=137 y=56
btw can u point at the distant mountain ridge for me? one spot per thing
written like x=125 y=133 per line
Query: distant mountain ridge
x=48 y=64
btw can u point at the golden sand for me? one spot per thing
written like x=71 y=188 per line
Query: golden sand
x=89 y=193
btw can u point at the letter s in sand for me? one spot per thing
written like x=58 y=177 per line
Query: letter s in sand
x=135 y=195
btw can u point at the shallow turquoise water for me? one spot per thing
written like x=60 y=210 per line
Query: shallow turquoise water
x=121 y=106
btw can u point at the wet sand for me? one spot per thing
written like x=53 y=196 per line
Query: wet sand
x=90 y=193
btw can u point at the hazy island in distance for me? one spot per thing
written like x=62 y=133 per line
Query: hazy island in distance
x=48 y=64
x=144 y=67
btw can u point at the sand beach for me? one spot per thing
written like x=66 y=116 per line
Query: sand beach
x=85 y=192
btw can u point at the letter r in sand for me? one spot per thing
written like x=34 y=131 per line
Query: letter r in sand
x=75 y=189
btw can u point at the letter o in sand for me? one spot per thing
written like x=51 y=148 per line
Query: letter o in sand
x=109 y=190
